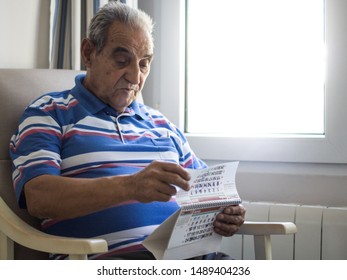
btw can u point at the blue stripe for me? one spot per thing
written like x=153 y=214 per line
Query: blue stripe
x=115 y=219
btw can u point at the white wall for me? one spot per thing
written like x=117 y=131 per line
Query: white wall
x=294 y=183
x=24 y=33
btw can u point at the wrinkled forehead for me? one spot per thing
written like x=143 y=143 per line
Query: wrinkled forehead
x=135 y=38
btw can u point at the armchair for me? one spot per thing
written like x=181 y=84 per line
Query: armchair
x=20 y=237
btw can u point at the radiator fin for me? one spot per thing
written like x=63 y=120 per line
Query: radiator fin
x=322 y=232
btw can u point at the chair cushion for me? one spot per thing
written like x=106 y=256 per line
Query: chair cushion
x=18 y=88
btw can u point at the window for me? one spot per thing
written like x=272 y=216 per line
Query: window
x=328 y=143
x=256 y=66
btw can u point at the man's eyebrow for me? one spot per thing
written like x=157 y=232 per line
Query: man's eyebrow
x=149 y=56
x=120 y=50
x=125 y=50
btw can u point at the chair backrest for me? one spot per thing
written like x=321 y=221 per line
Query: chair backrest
x=18 y=88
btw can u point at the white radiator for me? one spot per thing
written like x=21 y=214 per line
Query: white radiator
x=322 y=232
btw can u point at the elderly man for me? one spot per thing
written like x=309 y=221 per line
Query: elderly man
x=92 y=161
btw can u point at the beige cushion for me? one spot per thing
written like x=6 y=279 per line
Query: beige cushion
x=18 y=88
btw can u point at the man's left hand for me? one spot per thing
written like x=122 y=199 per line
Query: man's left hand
x=230 y=220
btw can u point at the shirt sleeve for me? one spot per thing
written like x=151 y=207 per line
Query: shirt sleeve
x=34 y=149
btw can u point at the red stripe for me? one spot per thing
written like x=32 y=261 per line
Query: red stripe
x=86 y=133
x=19 y=177
x=34 y=131
x=61 y=107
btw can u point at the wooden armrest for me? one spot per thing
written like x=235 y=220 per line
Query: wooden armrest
x=262 y=232
x=267 y=228
x=19 y=231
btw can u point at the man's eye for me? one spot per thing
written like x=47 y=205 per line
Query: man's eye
x=121 y=62
x=144 y=65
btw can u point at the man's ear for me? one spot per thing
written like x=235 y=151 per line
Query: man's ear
x=87 y=52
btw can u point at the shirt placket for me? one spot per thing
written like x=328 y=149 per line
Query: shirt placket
x=119 y=128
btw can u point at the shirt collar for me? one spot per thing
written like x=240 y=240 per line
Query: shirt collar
x=86 y=98
x=95 y=105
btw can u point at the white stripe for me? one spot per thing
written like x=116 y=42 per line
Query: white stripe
x=16 y=173
x=39 y=120
x=93 y=122
x=47 y=99
x=23 y=127
x=36 y=155
x=109 y=156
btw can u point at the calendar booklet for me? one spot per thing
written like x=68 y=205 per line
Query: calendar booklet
x=189 y=231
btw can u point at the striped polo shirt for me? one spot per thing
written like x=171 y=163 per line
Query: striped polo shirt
x=74 y=134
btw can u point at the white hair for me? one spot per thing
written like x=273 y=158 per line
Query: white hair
x=116 y=11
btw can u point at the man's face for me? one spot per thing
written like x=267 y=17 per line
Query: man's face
x=118 y=73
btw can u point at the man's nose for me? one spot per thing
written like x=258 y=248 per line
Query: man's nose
x=133 y=74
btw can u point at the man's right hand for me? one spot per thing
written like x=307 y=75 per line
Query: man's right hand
x=156 y=182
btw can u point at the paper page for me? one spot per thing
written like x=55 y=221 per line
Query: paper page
x=189 y=232
x=193 y=226
x=213 y=183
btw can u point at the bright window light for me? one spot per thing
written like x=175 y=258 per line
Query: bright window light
x=255 y=67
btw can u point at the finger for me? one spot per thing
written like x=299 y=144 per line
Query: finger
x=177 y=169
x=225 y=229
x=175 y=180
x=237 y=220
x=174 y=174
x=162 y=197
x=166 y=172
x=167 y=189
x=235 y=210
x=162 y=192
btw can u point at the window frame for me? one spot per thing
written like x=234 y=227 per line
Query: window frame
x=170 y=82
